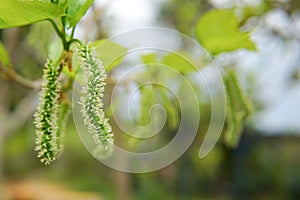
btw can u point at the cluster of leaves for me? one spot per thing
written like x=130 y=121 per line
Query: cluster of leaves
x=151 y=93
x=218 y=32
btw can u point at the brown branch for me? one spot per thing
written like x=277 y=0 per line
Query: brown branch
x=25 y=108
x=10 y=74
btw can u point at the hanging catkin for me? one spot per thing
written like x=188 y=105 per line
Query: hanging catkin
x=238 y=109
x=92 y=91
x=46 y=120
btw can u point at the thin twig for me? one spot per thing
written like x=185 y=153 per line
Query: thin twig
x=12 y=75
x=22 y=112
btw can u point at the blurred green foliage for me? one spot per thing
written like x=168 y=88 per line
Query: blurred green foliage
x=109 y=52
x=4 y=58
x=218 y=31
x=260 y=168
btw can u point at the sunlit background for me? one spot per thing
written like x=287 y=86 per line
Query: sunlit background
x=264 y=166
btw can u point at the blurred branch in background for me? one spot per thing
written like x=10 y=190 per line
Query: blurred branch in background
x=10 y=74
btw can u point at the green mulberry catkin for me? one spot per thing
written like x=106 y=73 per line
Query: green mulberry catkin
x=92 y=91
x=173 y=116
x=46 y=121
x=147 y=101
x=63 y=116
x=238 y=109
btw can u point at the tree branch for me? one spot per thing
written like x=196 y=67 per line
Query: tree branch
x=22 y=112
x=12 y=75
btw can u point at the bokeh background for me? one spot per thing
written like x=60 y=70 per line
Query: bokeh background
x=264 y=166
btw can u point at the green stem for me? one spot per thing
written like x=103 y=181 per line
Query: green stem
x=73 y=31
x=54 y=1
x=63 y=21
x=75 y=40
x=60 y=34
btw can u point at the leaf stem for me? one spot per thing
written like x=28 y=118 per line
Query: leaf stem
x=73 y=31
x=63 y=21
x=75 y=40
x=54 y=1
x=60 y=34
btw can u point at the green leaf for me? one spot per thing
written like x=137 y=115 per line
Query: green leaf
x=109 y=52
x=218 y=31
x=180 y=62
x=4 y=57
x=238 y=109
x=19 y=13
x=149 y=59
x=55 y=50
x=76 y=10
x=40 y=37
x=63 y=4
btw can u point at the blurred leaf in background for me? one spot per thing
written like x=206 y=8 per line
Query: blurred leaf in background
x=4 y=57
x=218 y=31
